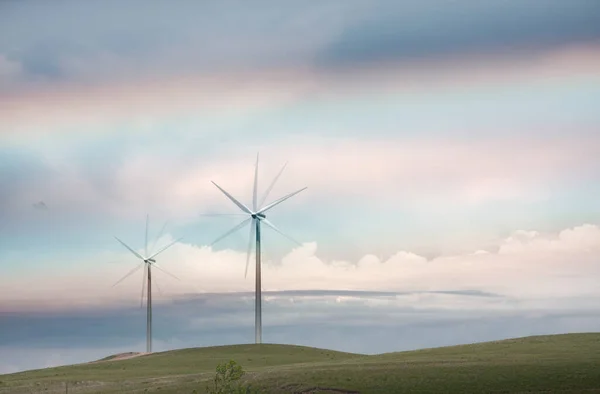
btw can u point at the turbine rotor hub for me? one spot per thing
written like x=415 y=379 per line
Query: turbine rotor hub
x=258 y=216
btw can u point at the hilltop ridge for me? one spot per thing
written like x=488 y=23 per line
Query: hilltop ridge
x=567 y=362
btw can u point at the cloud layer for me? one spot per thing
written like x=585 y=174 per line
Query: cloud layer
x=232 y=35
x=525 y=267
x=436 y=28
x=411 y=171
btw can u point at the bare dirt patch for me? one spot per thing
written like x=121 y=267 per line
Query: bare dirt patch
x=120 y=356
x=297 y=389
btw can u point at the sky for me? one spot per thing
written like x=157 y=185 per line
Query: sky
x=450 y=150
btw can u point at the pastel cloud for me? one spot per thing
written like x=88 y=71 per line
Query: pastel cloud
x=194 y=36
x=424 y=171
x=435 y=29
x=100 y=107
x=528 y=269
x=9 y=70
x=235 y=35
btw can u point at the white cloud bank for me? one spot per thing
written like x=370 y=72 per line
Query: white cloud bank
x=528 y=268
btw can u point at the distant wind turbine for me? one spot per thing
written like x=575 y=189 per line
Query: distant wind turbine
x=147 y=262
x=256 y=216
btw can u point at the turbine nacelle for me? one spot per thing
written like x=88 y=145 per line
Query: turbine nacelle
x=258 y=216
x=149 y=261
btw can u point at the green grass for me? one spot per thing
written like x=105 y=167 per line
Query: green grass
x=557 y=363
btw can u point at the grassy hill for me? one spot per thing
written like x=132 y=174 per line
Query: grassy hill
x=557 y=363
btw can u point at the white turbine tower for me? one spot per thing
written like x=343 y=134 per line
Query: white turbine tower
x=147 y=262
x=256 y=216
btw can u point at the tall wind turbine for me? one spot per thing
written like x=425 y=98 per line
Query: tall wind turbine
x=256 y=216
x=147 y=262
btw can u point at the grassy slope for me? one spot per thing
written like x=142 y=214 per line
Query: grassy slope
x=559 y=363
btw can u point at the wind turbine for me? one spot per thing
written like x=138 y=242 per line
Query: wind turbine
x=256 y=216
x=147 y=262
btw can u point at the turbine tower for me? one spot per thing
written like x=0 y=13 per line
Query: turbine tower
x=256 y=217
x=147 y=262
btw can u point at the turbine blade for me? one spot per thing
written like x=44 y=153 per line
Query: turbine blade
x=128 y=274
x=254 y=196
x=264 y=198
x=250 y=243
x=165 y=271
x=222 y=214
x=236 y=202
x=146 y=242
x=165 y=248
x=144 y=286
x=162 y=230
x=265 y=221
x=233 y=230
x=282 y=199
x=131 y=250
x=157 y=286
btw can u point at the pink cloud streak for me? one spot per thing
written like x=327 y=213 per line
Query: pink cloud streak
x=55 y=106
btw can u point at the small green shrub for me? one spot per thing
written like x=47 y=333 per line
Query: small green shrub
x=227 y=380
